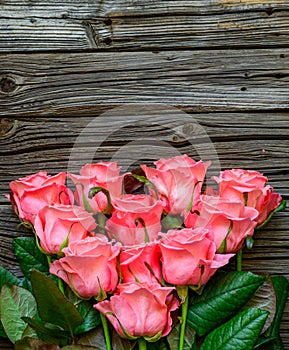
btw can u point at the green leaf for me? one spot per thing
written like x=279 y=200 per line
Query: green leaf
x=159 y=345
x=239 y=333
x=93 y=338
x=281 y=286
x=2 y=331
x=170 y=221
x=271 y=340
x=119 y=343
x=265 y=299
x=26 y=284
x=223 y=296
x=174 y=338
x=16 y=302
x=7 y=277
x=53 y=306
x=90 y=315
x=49 y=332
x=79 y=347
x=29 y=343
x=249 y=242
x=263 y=343
x=29 y=256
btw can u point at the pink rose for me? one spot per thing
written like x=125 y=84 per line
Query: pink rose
x=54 y=225
x=135 y=219
x=89 y=266
x=102 y=174
x=33 y=192
x=141 y=263
x=189 y=256
x=249 y=187
x=265 y=203
x=178 y=182
x=229 y=221
x=140 y=310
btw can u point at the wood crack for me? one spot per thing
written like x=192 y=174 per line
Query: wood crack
x=91 y=35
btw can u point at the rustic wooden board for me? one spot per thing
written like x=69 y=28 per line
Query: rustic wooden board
x=258 y=141
x=127 y=25
x=73 y=83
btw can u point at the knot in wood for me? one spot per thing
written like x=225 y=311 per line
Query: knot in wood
x=6 y=126
x=7 y=85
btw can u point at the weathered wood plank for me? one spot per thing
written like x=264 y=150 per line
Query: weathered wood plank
x=239 y=140
x=27 y=26
x=74 y=83
x=241 y=29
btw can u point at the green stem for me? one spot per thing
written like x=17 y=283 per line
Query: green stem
x=239 y=260
x=60 y=285
x=142 y=345
x=48 y=260
x=101 y=223
x=105 y=331
x=184 y=319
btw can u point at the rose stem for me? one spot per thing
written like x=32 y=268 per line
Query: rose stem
x=106 y=331
x=48 y=257
x=184 y=319
x=239 y=260
x=60 y=285
x=142 y=345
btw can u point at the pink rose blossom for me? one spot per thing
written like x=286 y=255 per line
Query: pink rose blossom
x=135 y=219
x=178 y=182
x=249 y=187
x=141 y=263
x=189 y=256
x=229 y=221
x=56 y=224
x=140 y=309
x=102 y=174
x=33 y=192
x=89 y=266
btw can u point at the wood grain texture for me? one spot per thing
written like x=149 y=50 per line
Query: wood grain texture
x=73 y=83
x=128 y=25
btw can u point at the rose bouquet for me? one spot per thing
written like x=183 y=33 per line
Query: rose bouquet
x=134 y=260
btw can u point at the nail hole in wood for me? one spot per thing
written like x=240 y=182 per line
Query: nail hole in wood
x=280 y=75
x=269 y=11
x=243 y=88
x=107 y=22
x=107 y=41
x=282 y=55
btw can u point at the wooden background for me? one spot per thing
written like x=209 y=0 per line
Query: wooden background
x=224 y=63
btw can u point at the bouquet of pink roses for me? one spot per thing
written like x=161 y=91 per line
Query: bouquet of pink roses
x=127 y=261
